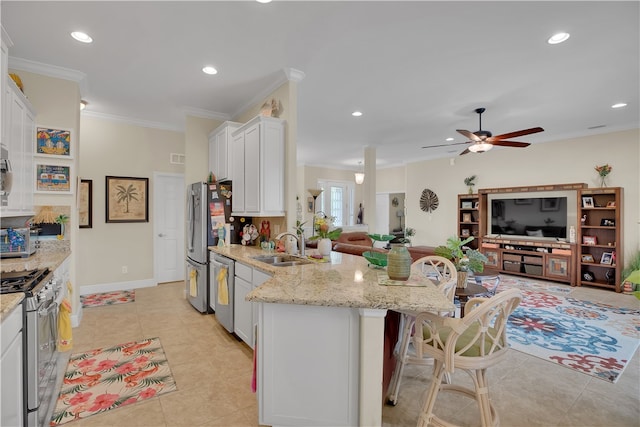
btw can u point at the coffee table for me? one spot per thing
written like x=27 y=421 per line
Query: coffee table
x=472 y=290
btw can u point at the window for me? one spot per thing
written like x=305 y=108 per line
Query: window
x=337 y=201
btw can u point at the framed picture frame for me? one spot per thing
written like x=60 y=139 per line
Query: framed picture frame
x=587 y=202
x=53 y=178
x=467 y=205
x=607 y=258
x=466 y=217
x=126 y=199
x=465 y=232
x=589 y=240
x=587 y=258
x=51 y=142
x=549 y=204
x=85 y=203
x=608 y=222
x=611 y=204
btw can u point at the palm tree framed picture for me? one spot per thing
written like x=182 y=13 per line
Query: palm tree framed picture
x=127 y=199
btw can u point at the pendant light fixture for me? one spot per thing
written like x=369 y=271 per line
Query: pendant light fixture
x=360 y=175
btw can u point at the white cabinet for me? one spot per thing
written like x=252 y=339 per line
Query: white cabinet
x=11 y=404
x=258 y=168
x=245 y=313
x=220 y=157
x=20 y=142
x=5 y=43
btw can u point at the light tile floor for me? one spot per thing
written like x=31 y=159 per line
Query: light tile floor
x=212 y=370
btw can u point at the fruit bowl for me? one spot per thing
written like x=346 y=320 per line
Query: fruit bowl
x=376 y=258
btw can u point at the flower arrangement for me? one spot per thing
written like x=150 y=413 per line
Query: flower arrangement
x=603 y=171
x=322 y=226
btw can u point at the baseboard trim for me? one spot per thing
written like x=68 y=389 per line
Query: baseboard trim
x=117 y=286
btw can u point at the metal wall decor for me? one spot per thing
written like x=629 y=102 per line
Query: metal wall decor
x=428 y=200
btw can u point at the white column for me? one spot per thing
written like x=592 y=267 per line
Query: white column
x=369 y=190
x=371 y=366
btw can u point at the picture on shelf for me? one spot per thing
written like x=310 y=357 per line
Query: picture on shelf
x=587 y=202
x=587 y=258
x=467 y=205
x=464 y=232
x=608 y=222
x=589 y=240
x=611 y=204
x=476 y=205
x=607 y=258
x=466 y=217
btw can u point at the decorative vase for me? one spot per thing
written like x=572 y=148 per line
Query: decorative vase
x=603 y=181
x=324 y=246
x=470 y=190
x=462 y=279
x=399 y=263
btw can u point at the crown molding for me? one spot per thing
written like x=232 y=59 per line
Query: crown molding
x=51 y=71
x=288 y=74
x=131 y=121
x=205 y=114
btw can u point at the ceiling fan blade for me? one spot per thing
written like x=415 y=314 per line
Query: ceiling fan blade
x=511 y=144
x=470 y=135
x=447 y=145
x=465 y=152
x=515 y=134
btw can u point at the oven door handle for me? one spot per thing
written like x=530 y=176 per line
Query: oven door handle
x=50 y=311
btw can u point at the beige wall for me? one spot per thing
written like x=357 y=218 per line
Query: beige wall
x=115 y=149
x=568 y=161
x=57 y=105
x=196 y=148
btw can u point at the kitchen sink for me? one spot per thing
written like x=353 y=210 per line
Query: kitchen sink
x=281 y=260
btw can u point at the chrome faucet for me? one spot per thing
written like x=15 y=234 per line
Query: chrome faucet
x=299 y=238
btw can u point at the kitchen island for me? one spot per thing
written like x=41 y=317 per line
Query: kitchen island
x=320 y=334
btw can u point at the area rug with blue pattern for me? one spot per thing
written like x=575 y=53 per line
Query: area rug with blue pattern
x=593 y=338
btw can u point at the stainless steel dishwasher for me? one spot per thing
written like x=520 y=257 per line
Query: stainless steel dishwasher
x=222 y=270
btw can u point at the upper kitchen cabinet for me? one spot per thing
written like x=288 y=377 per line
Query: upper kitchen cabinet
x=18 y=121
x=258 y=168
x=220 y=160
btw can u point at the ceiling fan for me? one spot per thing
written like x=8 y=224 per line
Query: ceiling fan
x=483 y=140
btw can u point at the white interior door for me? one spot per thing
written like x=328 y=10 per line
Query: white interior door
x=382 y=213
x=168 y=226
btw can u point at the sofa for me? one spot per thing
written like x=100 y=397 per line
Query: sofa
x=356 y=243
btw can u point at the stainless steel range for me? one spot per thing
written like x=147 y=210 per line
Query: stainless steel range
x=42 y=297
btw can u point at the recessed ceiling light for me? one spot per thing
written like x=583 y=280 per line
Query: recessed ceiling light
x=81 y=37
x=356 y=113
x=558 y=38
x=209 y=70
x=263 y=1
x=449 y=139
x=619 y=105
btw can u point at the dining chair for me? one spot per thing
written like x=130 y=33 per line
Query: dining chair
x=471 y=344
x=443 y=273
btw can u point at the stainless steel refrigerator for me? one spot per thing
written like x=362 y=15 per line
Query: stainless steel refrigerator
x=197 y=263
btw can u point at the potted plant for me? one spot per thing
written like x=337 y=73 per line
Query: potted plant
x=470 y=182
x=464 y=258
x=322 y=225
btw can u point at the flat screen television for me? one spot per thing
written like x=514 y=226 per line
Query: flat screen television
x=540 y=215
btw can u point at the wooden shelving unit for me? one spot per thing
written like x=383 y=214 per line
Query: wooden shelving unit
x=469 y=218
x=600 y=237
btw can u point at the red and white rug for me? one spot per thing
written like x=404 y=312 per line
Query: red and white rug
x=107 y=298
x=107 y=378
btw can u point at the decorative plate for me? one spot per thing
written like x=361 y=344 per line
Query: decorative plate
x=429 y=201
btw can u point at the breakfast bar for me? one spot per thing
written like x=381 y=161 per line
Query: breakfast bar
x=320 y=334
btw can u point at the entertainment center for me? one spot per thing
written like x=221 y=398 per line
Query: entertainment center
x=536 y=231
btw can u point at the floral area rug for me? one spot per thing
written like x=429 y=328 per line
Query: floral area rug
x=107 y=298
x=592 y=338
x=109 y=378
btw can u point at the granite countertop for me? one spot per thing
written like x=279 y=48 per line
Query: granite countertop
x=41 y=259
x=8 y=302
x=345 y=281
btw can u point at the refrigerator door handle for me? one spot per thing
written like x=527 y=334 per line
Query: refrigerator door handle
x=192 y=227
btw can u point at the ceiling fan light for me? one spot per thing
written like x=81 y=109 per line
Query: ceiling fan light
x=480 y=147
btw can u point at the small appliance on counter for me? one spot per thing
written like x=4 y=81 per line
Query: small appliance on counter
x=17 y=242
